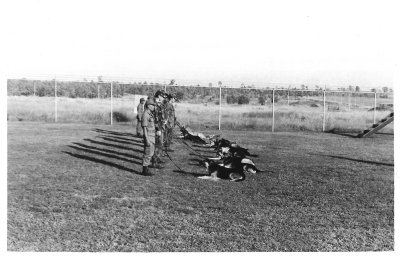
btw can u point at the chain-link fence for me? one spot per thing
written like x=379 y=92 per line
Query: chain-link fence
x=199 y=107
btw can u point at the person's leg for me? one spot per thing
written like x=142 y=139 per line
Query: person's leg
x=147 y=158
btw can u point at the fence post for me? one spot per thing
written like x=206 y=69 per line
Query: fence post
x=350 y=94
x=98 y=91
x=34 y=88
x=375 y=108
x=273 y=109
x=165 y=87
x=111 y=103
x=55 y=100
x=288 y=94
x=220 y=103
x=323 y=122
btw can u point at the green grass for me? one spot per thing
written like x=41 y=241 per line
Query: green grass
x=75 y=187
x=298 y=116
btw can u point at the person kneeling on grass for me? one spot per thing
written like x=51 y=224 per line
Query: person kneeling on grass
x=149 y=135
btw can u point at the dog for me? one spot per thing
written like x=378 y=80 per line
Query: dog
x=217 y=172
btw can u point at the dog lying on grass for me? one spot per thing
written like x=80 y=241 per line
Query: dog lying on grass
x=233 y=168
x=217 y=172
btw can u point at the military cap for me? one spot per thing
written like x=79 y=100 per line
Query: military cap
x=142 y=99
x=160 y=93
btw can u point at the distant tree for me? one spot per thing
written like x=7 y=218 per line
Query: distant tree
x=172 y=82
x=261 y=100
x=179 y=95
x=99 y=78
x=351 y=88
x=357 y=89
x=210 y=84
x=231 y=99
x=243 y=99
x=385 y=89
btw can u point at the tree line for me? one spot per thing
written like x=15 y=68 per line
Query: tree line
x=17 y=87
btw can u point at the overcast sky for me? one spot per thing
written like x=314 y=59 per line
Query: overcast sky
x=334 y=43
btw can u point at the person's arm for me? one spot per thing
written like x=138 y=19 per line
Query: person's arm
x=144 y=126
x=146 y=136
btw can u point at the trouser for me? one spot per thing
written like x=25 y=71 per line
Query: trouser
x=158 y=146
x=139 y=128
x=148 y=152
x=168 y=137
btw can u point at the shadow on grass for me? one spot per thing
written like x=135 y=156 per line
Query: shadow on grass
x=108 y=151
x=384 y=133
x=115 y=133
x=135 y=140
x=96 y=160
x=351 y=134
x=128 y=142
x=97 y=152
x=112 y=145
x=356 y=160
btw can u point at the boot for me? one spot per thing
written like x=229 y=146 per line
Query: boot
x=146 y=171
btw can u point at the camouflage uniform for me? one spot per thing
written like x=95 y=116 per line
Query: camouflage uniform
x=149 y=122
x=159 y=122
x=170 y=117
x=140 y=112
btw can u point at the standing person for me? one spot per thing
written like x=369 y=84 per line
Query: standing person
x=140 y=111
x=160 y=126
x=149 y=135
x=170 y=125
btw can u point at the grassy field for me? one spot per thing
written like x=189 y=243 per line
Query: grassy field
x=299 y=115
x=76 y=187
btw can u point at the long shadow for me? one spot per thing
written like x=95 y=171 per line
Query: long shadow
x=345 y=134
x=115 y=133
x=356 y=160
x=384 y=133
x=108 y=151
x=112 y=145
x=120 y=141
x=103 y=154
x=136 y=140
x=88 y=158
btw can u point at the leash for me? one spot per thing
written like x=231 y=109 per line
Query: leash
x=176 y=165
x=182 y=142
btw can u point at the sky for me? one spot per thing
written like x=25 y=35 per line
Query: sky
x=333 y=43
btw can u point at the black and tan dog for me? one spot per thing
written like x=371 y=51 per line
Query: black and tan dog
x=217 y=172
x=233 y=168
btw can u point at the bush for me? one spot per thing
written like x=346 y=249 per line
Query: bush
x=243 y=99
x=261 y=100
x=231 y=99
x=179 y=95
